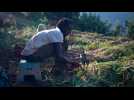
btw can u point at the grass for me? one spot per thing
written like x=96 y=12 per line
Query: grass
x=108 y=73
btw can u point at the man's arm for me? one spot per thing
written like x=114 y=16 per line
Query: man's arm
x=65 y=45
x=59 y=53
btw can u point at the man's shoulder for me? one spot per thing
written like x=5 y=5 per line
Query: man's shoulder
x=55 y=36
x=54 y=31
x=41 y=33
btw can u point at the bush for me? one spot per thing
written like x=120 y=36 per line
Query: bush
x=6 y=39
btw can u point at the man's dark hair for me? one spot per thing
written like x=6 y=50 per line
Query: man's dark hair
x=64 y=24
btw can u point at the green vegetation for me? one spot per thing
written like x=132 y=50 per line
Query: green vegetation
x=130 y=25
x=92 y=23
x=118 y=71
x=113 y=72
x=111 y=57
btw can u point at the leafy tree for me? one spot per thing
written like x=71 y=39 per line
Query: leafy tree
x=91 y=22
x=7 y=23
x=117 y=29
x=130 y=26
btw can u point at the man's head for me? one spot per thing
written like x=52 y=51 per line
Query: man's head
x=65 y=25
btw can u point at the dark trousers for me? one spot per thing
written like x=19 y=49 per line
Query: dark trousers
x=44 y=53
x=41 y=54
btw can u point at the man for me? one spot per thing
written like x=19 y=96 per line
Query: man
x=49 y=43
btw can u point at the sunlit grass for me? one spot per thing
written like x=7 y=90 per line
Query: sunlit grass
x=109 y=73
x=97 y=73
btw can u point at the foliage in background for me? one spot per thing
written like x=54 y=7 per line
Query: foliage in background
x=130 y=25
x=92 y=23
x=114 y=71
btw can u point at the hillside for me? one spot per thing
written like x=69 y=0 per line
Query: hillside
x=110 y=61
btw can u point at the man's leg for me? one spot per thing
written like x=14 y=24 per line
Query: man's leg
x=61 y=71
x=58 y=70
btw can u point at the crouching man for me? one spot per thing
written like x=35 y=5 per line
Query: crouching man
x=49 y=43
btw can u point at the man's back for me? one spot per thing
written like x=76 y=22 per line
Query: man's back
x=42 y=38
